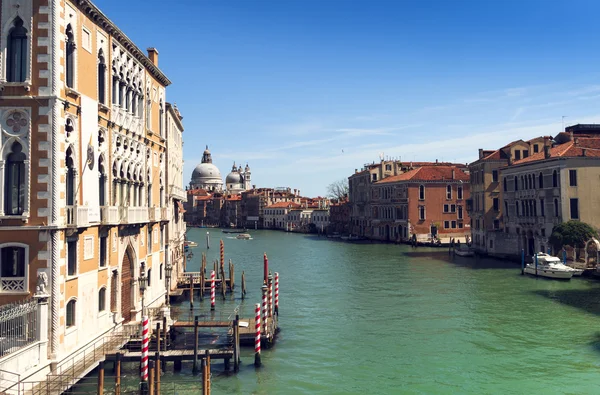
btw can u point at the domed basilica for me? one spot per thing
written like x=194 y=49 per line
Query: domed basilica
x=207 y=176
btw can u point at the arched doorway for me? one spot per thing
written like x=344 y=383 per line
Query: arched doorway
x=530 y=243
x=592 y=252
x=127 y=273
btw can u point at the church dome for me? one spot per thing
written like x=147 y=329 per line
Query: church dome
x=206 y=171
x=234 y=178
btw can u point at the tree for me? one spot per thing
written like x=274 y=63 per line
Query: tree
x=571 y=233
x=338 y=189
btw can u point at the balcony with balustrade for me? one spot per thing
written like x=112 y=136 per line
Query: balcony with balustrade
x=77 y=216
x=109 y=215
x=133 y=215
x=154 y=214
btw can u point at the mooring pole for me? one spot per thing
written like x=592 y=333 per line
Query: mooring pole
x=265 y=268
x=195 y=367
x=536 y=264
x=118 y=374
x=270 y=300
x=236 y=343
x=191 y=291
x=157 y=372
x=257 y=335
x=264 y=311
x=151 y=379
x=212 y=290
x=277 y=293
x=522 y=261
x=202 y=284
x=243 y=285
x=207 y=240
x=101 y=378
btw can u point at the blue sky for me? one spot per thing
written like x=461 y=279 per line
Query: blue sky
x=307 y=91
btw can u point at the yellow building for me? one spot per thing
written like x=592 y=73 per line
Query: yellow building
x=83 y=170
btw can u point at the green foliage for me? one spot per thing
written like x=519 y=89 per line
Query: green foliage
x=571 y=233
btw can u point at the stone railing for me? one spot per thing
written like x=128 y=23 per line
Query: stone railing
x=133 y=215
x=77 y=216
x=109 y=214
x=154 y=214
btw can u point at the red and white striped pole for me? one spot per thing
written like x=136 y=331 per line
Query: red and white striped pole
x=257 y=335
x=270 y=285
x=277 y=293
x=264 y=310
x=212 y=289
x=265 y=267
x=145 y=343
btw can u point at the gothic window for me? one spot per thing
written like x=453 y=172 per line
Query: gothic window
x=160 y=120
x=421 y=192
x=101 y=78
x=13 y=269
x=14 y=181
x=102 y=299
x=70 y=63
x=115 y=90
x=71 y=175
x=540 y=181
x=554 y=179
x=16 y=53
x=69 y=127
x=71 y=310
x=102 y=181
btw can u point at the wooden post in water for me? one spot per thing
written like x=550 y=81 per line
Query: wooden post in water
x=191 y=291
x=151 y=379
x=243 y=285
x=207 y=240
x=164 y=333
x=207 y=357
x=204 y=386
x=231 y=275
x=118 y=374
x=215 y=267
x=101 y=378
x=522 y=261
x=265 y=268
x=157 y=372
x=222 y=253
x=195 y=367
x=203 y=283
x=236 y=343
x=223 y=284
x=158 y=336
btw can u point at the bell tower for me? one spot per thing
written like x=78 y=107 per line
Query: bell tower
x=247 y=182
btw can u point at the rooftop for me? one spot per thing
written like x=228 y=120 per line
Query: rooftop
x=578 y=147
x=429 y=173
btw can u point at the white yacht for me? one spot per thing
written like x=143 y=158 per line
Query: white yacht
x=549 y=266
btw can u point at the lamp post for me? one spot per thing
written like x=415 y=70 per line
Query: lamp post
x=168 y=272
x=143 y=282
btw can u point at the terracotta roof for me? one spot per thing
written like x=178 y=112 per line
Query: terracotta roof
x=429 y=173
x=233 y=197
x=208 y=197
x=284 y=205
x=567 y=150
x=197 y=191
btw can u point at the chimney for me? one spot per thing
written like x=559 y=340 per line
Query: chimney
x=153 y=56
x=436 y=161
x=480 y=153
x=546 y=151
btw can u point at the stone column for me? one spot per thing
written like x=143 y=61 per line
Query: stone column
x=41 y=296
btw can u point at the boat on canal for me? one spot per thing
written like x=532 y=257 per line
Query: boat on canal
x=463 y=250
x=549 y=266
x=234 y=230
x=243 y=236
x=191 y=244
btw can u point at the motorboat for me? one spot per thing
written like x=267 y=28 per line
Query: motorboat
x=549 y=266
x=463 y=250
x=188 y=243
x=235 y=230
x=243 y=236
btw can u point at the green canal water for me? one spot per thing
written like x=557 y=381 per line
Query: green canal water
x=389 y=319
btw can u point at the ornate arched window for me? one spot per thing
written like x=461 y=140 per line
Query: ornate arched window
x=102 y=180
x=102 y=299
x=71 y=176
x=556 y=207
x=13 y=268
x=16 y=52
x=101 y=77
x=70 y=62
x=14 y=181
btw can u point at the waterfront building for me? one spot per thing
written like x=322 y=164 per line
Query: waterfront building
x=83 y=177
x=485 y=205
x=255 y=201
x=276 y=215
x=320 y=218
x=232 y=210
x=551 y=186
x=339 y=217
x=176 y=194
x=425 y=203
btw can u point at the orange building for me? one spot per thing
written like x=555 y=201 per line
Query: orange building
x=83 y=209
x=424 y=203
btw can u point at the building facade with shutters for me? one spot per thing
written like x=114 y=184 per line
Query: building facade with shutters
x=83 y=171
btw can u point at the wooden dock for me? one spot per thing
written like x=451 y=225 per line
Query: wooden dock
x=174 y=355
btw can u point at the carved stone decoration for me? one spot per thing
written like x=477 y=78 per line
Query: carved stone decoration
x=16 y=122
x=42 y=283
x=90 y=156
